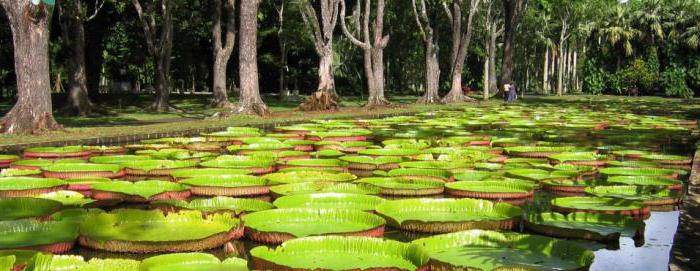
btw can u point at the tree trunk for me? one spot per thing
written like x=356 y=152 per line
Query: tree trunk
x=432 y=76
x=284 y=91
x=73 y=33
x=512 y=10
x=222 y=50
x=485 y=79
x=326 y=81
x=492 y=51
x=220 y=90
x=30 y=34
x=456 y=94
x=325 y=97
x=545 y=71
x=432 y=66
x=574 y=70
x=560 y=70
x=250 y=100
x=376 y=95
x=162 y=85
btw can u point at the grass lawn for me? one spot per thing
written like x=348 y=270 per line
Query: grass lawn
x=128 y=117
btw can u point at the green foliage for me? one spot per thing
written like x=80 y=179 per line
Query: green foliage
x=694 y=74
x=593 y=79
x=674 y=82
x=638 y=74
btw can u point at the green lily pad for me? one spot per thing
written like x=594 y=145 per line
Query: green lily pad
x=302 y=222
x=329 y=200
x=490 y=250
x=18 y=208
x=342 y=253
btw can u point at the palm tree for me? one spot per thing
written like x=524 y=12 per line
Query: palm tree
x=619 y=32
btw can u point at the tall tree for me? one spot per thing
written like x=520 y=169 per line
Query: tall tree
x=160 y=45
x=430 y=43
x=372 y=44
x=72 y=17
x=250 y=101
x=494 y=29
x=512 y=10
x=322 y=33
x=223 y=47
x=461 y=37
x=30 y=36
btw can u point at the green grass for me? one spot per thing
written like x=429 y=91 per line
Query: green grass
x=134 y=120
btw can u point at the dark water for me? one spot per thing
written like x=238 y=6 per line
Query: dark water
x=654 y=255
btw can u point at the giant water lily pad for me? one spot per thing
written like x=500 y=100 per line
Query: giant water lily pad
x=219 y=204
x=515 y=191
x=308 y=176
x=401 y=186
x=646 y=194
x=539 y=174
x=49 y=236
x=448 y=215
x=67 y=198
x=646 y=181
x=592 y=226
x=278 y=225
x=227 y=185
x=151 y=165
x=601 y=205
x=44 y=262
x=201 y=172
x=192 y=262
x=82 y=167
x=339 y=253
x=490 y=250
x=142 y=189
x=128 y=230
x=26 y=186
x=391 y=152
x=118 y=159
x=18 y=208
x=658 y=172
x=330 y=200
x=321 y=187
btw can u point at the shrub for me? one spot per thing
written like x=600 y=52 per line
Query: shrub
x=593 y=79
x=673 y=81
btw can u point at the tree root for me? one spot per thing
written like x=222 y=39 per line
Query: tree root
x=375 y=102
x=225 y=104
x=164 y=107
x=457 y=98
x=251 y=108
x=319 y=101
x=12 y=123
x=429 y=99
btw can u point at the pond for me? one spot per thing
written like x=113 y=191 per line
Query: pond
x=563 y=188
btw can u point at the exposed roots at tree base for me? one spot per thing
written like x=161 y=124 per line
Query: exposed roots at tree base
x=429 y=99
x=163 y=107
x=223 y=104
x=377 y=102
x=12 y=123
x=319 y=101
x=254 y=108
x=457 y=98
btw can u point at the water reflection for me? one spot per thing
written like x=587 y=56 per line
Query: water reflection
x=654 y=255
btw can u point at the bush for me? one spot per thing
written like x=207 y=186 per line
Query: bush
x=638 y=74
x=593 y=79
x=694 y=74
x=617 y=84
x=673 y=81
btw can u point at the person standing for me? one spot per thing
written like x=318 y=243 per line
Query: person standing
x=513 y=94
x=506 y=92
